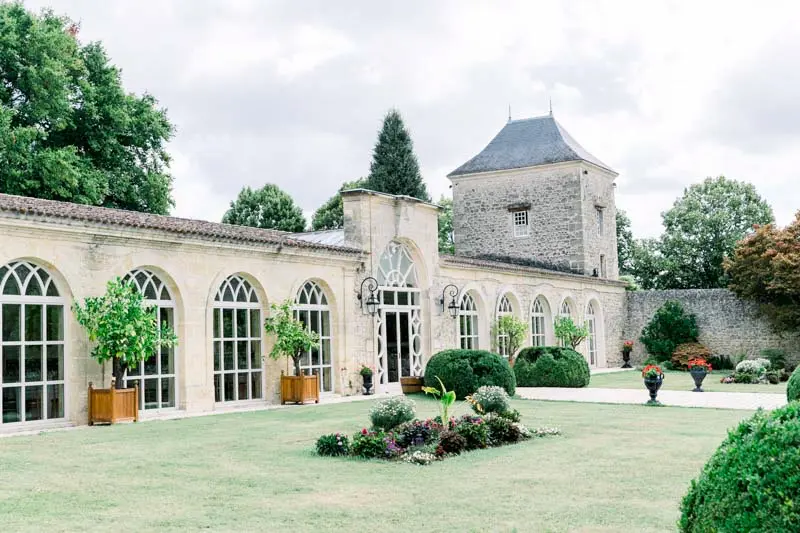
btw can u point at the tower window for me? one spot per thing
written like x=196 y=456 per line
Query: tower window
x=602 y=266
x=600 y=224
x=521 y=226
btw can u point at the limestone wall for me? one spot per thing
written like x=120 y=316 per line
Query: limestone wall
x=727 y=325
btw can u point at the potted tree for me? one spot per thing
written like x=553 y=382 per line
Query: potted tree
x=293 y=339
x=569 y=333
x=127 y=333
x=510 y=331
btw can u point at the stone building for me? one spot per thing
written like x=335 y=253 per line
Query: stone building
x=213 y=284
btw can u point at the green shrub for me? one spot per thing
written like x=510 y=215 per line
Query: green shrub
x=389 y=413
x=669 y=327
x=417 y=433
x=369 y=444
x=721 y=362
x=474 y=431
x=502 y=431
x=775 y=356
x=464 y=371
x=752 y=482
x=333 y=445
x=511 y=415
x=451 y=442
x=793 y=387
x=490 y=399
x=551 y=366
x=745 y=377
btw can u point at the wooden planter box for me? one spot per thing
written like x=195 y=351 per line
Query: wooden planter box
x=109 y=406
x=411 y=384
x=299 y=389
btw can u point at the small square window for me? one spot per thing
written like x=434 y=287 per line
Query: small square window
x=521 y=227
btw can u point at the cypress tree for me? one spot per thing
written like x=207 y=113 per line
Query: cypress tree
x=394 y=168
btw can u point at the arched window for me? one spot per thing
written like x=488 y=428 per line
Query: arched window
x=503 y=309
x=538 y=336
x=311 y=308
x=32 y=344
x=237 y=342
x=156 y=376
x=565 y=311
x=468 y=323
x=591 y=324
x=396 y=268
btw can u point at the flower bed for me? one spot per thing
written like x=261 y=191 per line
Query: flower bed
x=421 y=442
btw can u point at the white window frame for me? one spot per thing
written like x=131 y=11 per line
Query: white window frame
x=311 y=306
x=538 y=332
x=504 y=308
x=145 y=279
x=468 y=334
x=49 y=297
x=591 y=324
x=521 y=221
x=245 y=299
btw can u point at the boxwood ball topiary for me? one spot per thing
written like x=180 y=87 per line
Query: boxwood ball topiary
x=793 y=386
x=551 y=366
x=752 y=482
x=464 y=371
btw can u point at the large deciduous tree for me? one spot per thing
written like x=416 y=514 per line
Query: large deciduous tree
x=68 y=130
x=268 y=207
x=625 y=243
x=703 y=227
x=331 y=214
x=394 y=168
x=446 y=243
x=765 y=268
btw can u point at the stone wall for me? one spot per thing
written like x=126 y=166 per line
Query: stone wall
x=727 y=325
x=598 y=193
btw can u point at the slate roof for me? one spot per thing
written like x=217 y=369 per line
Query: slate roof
x=23 y=205
x=331 y=237
x=528 y=142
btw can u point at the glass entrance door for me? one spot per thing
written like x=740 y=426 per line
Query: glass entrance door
x=398 y=345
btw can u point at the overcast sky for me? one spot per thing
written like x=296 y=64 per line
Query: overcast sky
x=293 y=92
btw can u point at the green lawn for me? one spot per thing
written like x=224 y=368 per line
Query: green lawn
x=674 y=380
x=615 y=468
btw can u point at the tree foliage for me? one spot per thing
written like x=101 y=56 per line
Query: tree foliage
x=568 y=332
x=68 y=130
x=330 y=215
x=123 y=329
x=765 y=268
x=510 y=331
x=670 y=327
x=292 y=337
x=394 y=168
x=703 y=227
x=268 y=207
x=446 y=242
x=625 y=243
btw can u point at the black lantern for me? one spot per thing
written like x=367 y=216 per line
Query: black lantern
x=371 y=302
x=452 y=306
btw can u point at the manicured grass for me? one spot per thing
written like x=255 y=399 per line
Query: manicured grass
x=615 y=468
x=673 y=380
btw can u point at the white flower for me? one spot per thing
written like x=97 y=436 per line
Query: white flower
x=419 y=458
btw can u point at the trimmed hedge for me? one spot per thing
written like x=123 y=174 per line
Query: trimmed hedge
x=464 y=371
x=752 y=482
x=793 y=386
x=551 y=366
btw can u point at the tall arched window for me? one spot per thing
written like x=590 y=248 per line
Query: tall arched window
x=591 y=324
x=565 y=311
x=468 y=323
x=32 y=344
x=311 y=308
x=156 y=376
x=538 y=335
x=503 y=309
x=237 y=342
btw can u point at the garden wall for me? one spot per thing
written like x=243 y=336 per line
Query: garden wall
x=727 y=325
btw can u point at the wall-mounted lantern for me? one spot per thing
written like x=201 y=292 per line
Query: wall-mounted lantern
x=452 y=307
x=371 y=302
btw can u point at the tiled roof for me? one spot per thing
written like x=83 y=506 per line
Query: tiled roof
x=331 y=237
x=528 y=143
x=183 y=226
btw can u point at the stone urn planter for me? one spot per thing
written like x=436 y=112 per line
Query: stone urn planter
x=367 y=383
x=653 y=385
x=626 y=359
x=698 y=374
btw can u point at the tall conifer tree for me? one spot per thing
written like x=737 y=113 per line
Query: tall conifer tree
x=394 y=168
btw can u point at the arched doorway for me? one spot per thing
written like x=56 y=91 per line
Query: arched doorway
x=398 y=317
x=311 y=308
x=32 y=344
x=155 y=376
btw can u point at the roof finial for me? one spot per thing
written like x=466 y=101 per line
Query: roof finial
x=509 y=112
x=551 y=106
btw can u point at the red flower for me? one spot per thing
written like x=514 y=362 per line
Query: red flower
x=364 y=431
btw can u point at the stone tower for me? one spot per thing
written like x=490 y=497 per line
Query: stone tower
x=534 y=194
